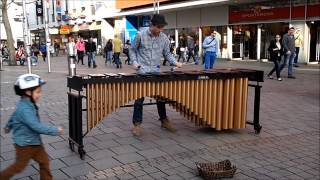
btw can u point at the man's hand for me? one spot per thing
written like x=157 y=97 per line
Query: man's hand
x=136 y=66
x=178 y=64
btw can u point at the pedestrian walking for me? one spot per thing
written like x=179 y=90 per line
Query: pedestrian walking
x=182 y=48
x=126 y=51
x=146 y=52
x=108 y=51
x=26 y=129
x=210 y=45
x=91 y=50
x=56 y=48
x=20 y=55
x=276 y=51
x=33 y=57
x=35 y=48
x=117 y=44
x=43 y=51
x=190 y=46
x=196 y=52
x=298 y=42
x=289 y=50
x=80 y=46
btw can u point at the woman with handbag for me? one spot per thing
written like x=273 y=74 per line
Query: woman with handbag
x=276 y=52
x=126 y=51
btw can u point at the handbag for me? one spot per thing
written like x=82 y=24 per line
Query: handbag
x=125 y=50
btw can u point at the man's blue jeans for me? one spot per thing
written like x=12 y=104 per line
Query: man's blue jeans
x=137 y=112
x=288 y=58
x=117 y=59
x=209 y=59
x=91 y=58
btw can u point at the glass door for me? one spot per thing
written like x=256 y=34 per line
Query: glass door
x=237 y=45
x=314 y=41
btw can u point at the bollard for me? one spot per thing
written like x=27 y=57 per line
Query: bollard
x=72 y=66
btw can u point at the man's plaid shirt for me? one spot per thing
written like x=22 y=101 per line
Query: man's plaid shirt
x=147 y=51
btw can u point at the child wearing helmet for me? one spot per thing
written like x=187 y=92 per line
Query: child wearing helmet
x=26 y=128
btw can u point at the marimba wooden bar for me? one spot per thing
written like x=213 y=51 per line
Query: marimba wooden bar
x=216 y=98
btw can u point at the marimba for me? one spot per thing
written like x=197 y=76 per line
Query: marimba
x=215 y=98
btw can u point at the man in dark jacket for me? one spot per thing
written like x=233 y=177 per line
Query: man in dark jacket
x=91 y=49
x=289 y=51
x=190 y=45
x=56 y=48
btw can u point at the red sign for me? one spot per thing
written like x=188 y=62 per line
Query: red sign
x=259 y=14
x=313 y=11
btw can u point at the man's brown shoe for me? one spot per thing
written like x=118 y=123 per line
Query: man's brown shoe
x=136 y=131
x=166 y=124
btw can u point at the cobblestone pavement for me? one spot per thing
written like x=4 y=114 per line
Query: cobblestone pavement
x=287 y=147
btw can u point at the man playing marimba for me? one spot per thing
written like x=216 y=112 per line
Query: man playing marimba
x=149 y=47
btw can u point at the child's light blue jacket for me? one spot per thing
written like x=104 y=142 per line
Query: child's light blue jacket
x=25 y=125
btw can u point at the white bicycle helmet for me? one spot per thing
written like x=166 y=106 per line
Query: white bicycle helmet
x=27 y=81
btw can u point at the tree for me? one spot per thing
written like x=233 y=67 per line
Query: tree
x=7 y=26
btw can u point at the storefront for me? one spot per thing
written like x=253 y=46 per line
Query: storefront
x=255 y=25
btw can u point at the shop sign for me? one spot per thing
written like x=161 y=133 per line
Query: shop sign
x=313 y=11
x=65 y=29
x=260 y=14
x=39 y=8
x=53 y=31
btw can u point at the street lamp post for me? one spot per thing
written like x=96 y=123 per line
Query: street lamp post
x=1 y=61
x=48 y=41
x=156 y=5
x=25 y=36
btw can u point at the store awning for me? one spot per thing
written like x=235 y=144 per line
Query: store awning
x=95 y=26
x=84 y=27
x=75 y=28
x=167 y=7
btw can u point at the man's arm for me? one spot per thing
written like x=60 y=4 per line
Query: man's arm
x=284 y=43
x=134 y=48
x=204 y=44
x=167 y=54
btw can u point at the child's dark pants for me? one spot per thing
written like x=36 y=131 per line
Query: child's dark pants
x=23 y=155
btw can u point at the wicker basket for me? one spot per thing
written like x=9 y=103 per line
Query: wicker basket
x=209 y=171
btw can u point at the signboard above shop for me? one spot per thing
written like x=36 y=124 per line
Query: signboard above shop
x=258 y=13
x=39 y=8
x=65 y=29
